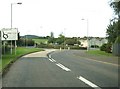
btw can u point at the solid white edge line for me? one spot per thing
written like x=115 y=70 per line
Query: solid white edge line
x=63 y=67
x=88 y=82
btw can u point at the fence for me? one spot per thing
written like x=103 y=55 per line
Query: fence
x=116 y=49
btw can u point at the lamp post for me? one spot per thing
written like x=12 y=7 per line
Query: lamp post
x=64 y=38
x=87 y=33
x=12 y=22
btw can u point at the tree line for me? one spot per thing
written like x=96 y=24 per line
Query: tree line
x=113 y=29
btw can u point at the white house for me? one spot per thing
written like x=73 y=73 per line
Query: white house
x=93 y=41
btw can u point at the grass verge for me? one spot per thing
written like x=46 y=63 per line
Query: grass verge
x=99 y=53
x=20 y=51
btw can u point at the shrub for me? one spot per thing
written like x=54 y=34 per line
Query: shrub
x=103 y=47
x=94 y=46
x=108 y=48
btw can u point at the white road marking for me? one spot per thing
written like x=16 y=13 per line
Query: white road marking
x=49 y=56
x=63 y=67
x=88 y=82
x=51 y=60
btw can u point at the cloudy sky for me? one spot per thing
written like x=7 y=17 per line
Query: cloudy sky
x=40 y=17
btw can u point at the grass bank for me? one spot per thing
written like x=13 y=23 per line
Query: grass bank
x=99 y=53
x=8 y=58
x=40 y=40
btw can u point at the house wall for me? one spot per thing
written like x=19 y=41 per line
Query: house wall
x=93 y=41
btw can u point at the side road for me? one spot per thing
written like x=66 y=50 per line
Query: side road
x=41 y=53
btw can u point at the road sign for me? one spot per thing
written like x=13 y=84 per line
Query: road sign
x=9 y=34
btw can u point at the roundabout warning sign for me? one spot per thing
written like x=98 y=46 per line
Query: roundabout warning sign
x=9 y=34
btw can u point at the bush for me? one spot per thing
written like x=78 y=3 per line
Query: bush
x=45 y=46
x=94 y=46
x=103 y=47
x=108 y=48
x=25 y=42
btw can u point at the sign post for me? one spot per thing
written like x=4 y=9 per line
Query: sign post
x=9 y=34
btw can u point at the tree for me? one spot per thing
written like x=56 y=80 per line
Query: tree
x=51 y=38
x=60 y=39
x=72 y=41
x=52 y=35
x=113 y=30
x=116 y=7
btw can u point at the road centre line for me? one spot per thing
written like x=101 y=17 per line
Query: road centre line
x=51 y=60
x=49 y=56
x=80 y=77
x=63 y=67
x=88 y=82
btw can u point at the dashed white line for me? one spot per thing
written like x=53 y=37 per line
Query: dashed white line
x=88 y=82
x=63 y=67
x=80 y=77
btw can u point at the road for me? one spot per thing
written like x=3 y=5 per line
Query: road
x=61 y=69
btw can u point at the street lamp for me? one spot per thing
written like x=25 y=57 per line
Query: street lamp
x=64 y=38
x=11 y=24
x=87 y=33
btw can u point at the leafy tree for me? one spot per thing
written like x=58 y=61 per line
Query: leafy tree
x=51 y=38
x=72 y=41
x=60 y=39
x=113 y=30
x=52 y=35
x=116 y=7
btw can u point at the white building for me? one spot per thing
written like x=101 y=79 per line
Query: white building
x=93 y=41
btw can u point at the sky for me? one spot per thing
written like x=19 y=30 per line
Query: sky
x=40 y=17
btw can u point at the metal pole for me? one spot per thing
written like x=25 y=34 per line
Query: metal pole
x=87 y=36
x=4 y=47
x=11 y=26
x=64 y=38
x=15 y=47
x=26 y=40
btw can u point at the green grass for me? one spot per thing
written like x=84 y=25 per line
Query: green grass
x=7 y=58
x=98 y=52
x=40 y=40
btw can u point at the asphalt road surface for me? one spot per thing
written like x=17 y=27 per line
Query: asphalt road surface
x=61 y=69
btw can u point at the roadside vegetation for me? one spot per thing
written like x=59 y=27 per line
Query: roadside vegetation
x=99 y=53
x=7 y=57
x=113 y=32
x=38 y=40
